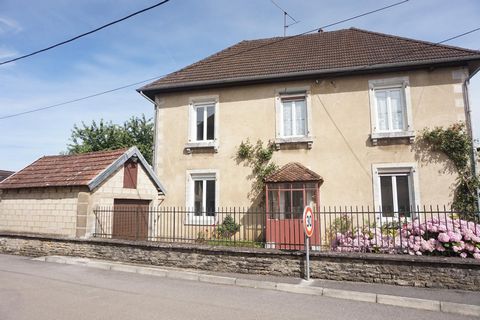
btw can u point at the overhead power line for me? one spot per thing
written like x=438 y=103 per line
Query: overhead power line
x=136 y=83
x=78 y=99
x=84 y=34
x=151 y=79
x=309 y=31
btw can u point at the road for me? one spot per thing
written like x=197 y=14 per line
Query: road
x=39 y=290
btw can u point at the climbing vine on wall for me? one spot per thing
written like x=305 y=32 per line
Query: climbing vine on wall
x=455 y=143
x=258 y=157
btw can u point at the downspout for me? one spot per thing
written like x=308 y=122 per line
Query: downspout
x=155 y=110
x=468 y=120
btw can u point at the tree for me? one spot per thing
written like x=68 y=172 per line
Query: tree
x=137 y=131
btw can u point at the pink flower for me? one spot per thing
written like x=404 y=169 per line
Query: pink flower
x=442 y=228
x=454 y=236
x=463 y=255
x=443 y=237
x=476 y=256
x=469 y=247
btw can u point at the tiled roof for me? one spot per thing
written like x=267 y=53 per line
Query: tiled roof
x=61 y=171
x=323 y=52
x=293 y=172
x=4 y=174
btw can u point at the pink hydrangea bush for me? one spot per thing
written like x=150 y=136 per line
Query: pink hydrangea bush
x=447 y=237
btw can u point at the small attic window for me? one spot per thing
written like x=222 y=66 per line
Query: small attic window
x=130 y=174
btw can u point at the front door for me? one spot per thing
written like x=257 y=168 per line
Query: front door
x=130 y=219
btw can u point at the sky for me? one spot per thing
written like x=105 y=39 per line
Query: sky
x=161 y=41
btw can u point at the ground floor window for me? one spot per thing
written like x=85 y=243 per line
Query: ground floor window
x=395 y=190
x=202 y=196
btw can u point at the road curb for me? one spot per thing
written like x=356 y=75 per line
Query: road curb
x=350 y=295
x=302 y=288
x=459 y=308
x=415 y=303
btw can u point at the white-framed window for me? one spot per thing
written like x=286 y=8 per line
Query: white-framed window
x=395 y=189
x=293 y=114
x=204 y=121
x=203 y=126
x=390 y=108
x=202 y=196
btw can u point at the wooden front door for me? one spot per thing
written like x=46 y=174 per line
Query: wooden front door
x=130 y=219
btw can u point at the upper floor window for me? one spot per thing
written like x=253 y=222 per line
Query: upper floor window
x=390 y=108
x=204 y=121
x=294 y=116
x=203 y=126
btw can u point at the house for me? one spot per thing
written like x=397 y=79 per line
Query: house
x=346 y=104
x=57 y=195
x=5 y=174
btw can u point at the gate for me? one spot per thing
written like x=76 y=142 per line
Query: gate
x=130 y=219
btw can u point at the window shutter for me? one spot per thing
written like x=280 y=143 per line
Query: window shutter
x=130 y=173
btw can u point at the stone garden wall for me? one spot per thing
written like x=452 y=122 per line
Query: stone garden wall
x=435 y=272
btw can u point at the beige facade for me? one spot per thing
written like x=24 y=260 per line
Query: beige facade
x=340 y=122
x=68 y=211
x=39 y=210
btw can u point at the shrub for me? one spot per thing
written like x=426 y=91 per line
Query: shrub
x=227 y=228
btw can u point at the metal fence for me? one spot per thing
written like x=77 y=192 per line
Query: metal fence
x=342 y=229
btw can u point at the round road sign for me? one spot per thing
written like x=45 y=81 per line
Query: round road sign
x=308 y=221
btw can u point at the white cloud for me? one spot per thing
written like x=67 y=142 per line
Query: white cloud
x=9 y=25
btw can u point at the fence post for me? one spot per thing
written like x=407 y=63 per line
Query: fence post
x=174 y=210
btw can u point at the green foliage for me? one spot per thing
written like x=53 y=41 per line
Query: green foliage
x=227 y=228
x=258 y=157
x=137 y=131
x=455 y=143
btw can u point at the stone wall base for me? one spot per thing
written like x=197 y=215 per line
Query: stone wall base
x=434 y=272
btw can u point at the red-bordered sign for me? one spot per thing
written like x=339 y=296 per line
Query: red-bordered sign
x=308 y=221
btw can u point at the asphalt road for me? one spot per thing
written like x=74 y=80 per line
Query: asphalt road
x=38 y=290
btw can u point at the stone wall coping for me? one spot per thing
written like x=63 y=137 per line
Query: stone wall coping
x=355 y=256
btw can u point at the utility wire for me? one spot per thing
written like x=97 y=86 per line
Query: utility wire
x=133 y=84
x=309 y=31
x=151 y=79
x=84 y=34
x=285 y=12
x=78 y=99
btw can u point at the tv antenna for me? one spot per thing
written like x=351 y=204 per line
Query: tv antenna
x=285 y=16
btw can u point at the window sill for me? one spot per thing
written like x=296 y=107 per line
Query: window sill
x=190 y=146
x=293 y=140
x=392 y=135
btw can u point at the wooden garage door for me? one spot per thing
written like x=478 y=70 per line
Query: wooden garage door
x=130 y=219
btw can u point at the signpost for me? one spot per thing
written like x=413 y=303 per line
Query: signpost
x=308 y=228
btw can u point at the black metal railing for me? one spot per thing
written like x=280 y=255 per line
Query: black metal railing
x=423 y=230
